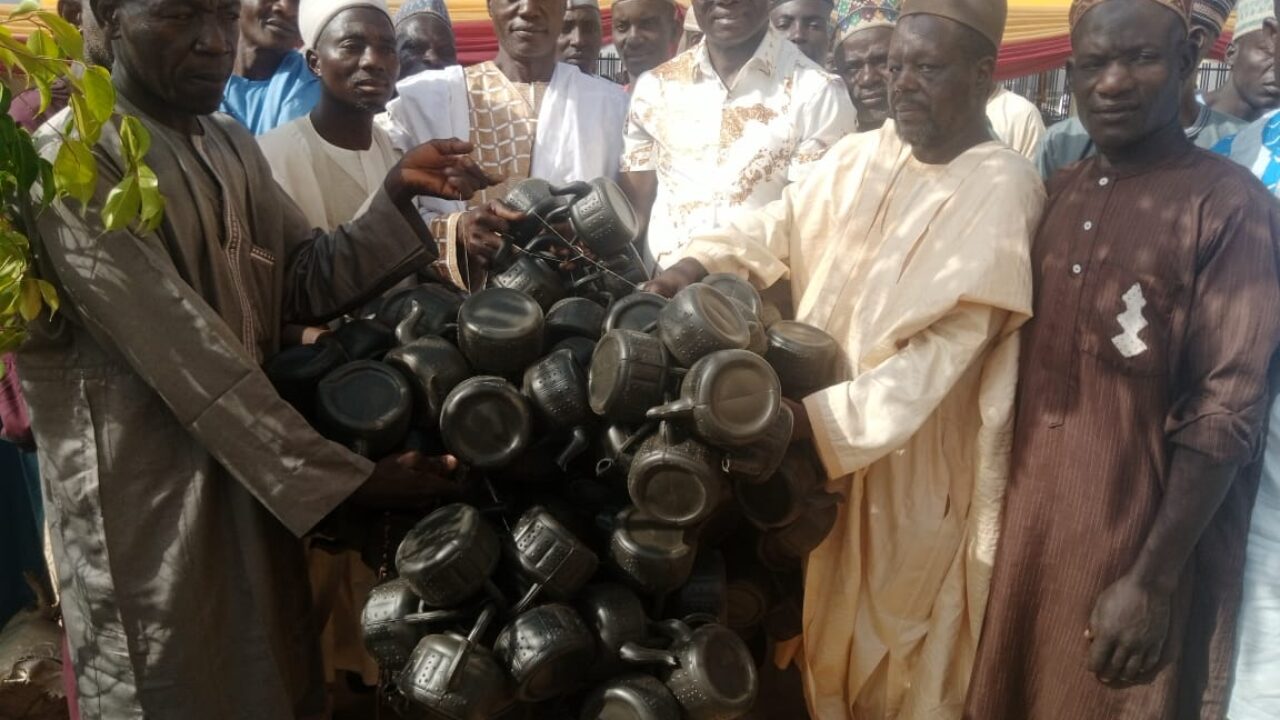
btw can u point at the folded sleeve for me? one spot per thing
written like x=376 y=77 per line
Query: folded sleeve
x=821 y=123
x=639 y=148
x=126 y=291
x=330 y=273
x=856 y=423
x=1227 y=353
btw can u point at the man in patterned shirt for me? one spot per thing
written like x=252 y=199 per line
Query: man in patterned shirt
x=725 y=126
x=526 y=114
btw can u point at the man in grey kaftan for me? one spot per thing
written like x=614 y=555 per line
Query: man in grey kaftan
x=177 y=480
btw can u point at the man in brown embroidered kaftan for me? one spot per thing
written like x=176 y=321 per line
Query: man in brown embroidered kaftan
x=1143 y=389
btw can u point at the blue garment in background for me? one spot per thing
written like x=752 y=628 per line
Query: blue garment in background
x=20 y=520
x=262 y=105
x=1257 y=148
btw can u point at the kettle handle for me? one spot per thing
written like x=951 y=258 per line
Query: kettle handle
x=527 y=601
x=677 y=630
x=434 y=616
x=407 y=328
x=578 y=190
x=677 y=410
x=464 y=652
x=634 y=653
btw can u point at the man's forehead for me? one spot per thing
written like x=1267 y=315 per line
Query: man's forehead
x=645 y=7
x=153 y=6
x=925 y=32
x=1119 y=26
x=803 y=7
x=358 y=21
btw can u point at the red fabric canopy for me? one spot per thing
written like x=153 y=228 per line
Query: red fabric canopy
x=477 y=43
x=1037 y=56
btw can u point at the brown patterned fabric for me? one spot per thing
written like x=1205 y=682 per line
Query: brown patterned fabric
x=1155 y=323
x=504 y=125
x=1080 y=7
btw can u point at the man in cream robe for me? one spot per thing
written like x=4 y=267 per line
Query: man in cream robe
x=330 y=162
x=1017 y=121
x=915 y=257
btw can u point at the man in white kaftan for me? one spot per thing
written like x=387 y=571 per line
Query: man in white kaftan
x=527 y=114
x=912 y=250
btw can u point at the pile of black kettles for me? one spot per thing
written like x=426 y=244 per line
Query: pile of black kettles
x=635 y=515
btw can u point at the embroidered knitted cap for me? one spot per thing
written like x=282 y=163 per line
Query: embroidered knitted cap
x=1080 y=7
x=423 y=7
x=986 y=16
x=1211 y=14
x=314 y=15
x=1251 y=14
x=858 y=15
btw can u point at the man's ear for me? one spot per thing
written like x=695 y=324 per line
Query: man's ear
x=71 y=10
x=313 y=62
x=1200 y=40
x=1188 y=59
x=1230 y=57
x=106 y=12
x=985 y=76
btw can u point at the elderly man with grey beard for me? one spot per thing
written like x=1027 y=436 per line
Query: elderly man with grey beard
x=910 y=245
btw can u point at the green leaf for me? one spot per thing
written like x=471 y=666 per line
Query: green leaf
x=49 y=294
x=75 y=170
x=26 y=7
x=41 y=43
x=29 y=305
x=46 y=91
x=152 y=200
x=134 y=139
x=99 y=93
x=28 y=163
x=64 y=34
x=88 y=127
x=122 y=204
x=11 y=338
x=6 y=98
x=48 y=186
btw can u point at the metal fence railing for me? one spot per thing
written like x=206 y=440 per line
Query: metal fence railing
x=1051 y=92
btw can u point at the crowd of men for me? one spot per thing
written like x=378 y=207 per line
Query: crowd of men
x=1057 y=449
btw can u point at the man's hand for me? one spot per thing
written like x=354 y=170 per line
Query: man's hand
x=676 y=278
x=439 y=168
x=1127 y=631
x=407 y=481
x=482 y=228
